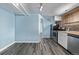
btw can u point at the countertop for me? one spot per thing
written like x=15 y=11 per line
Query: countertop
x=70 y=32
x=73 y=32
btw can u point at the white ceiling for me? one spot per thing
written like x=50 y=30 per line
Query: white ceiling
x=57 y=8
x=49 y=9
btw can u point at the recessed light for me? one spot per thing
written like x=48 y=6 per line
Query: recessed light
x=65 y=10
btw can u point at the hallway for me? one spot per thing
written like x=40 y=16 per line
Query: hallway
x=45 y=47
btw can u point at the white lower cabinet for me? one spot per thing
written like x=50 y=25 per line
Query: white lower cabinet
x=62 y=38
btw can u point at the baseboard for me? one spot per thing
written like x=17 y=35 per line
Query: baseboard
x=18 y=42
x=27 y=41
x=6 y=46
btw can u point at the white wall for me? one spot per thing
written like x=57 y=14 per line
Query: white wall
x=57 y=18
x=7 y=28
x=27 y=28
x=45 y=29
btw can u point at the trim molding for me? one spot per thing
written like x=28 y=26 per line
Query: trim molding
x=6 y=46
x=27 y=41
x=18 y=42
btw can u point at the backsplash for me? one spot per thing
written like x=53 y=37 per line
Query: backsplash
x=72 y=27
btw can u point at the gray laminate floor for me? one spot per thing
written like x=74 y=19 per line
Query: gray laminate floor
x=45 y=47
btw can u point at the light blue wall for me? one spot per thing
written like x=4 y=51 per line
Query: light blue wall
x=7 y=28
x=27 y=28
x=21 y=28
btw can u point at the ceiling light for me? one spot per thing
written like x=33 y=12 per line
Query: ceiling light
x=41 y=6
x=26 y=12
x=22 y=9
x=16 y=4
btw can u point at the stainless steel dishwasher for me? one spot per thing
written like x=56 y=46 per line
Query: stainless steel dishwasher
x=73 y=44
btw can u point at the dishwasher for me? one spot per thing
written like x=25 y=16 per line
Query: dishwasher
x=73 y=44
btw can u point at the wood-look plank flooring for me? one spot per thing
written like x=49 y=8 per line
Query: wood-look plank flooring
x=45 y=47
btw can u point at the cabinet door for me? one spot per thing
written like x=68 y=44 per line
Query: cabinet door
x=76 y=16
x=67 y=19
x=73 y=45
x=62 y=38
x=70 y=18
x=74 y=19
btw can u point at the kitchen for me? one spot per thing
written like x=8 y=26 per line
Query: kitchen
x=68 y=32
